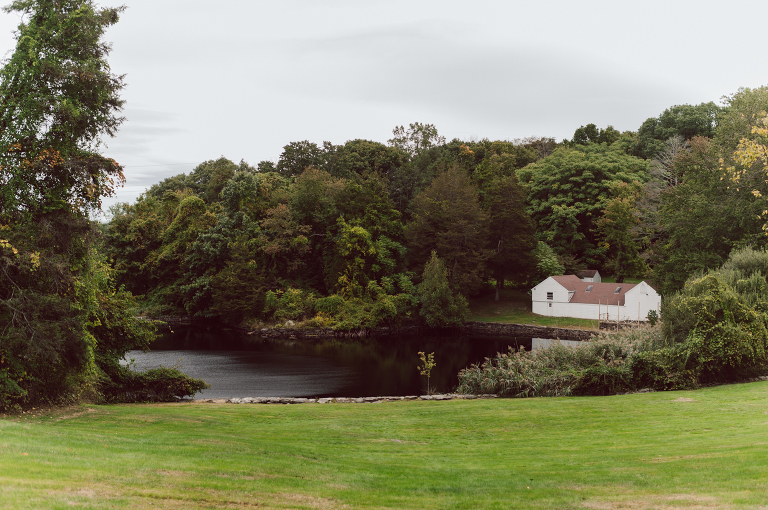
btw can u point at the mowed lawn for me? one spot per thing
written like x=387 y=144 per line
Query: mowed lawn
x=696 y=449
x=514 y=306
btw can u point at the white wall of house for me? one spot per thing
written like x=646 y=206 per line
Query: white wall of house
x=559 y=293
x=640 y=300
x=582 y=311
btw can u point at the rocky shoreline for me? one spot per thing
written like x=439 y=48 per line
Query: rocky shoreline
x=288 y=331
x=338 y=400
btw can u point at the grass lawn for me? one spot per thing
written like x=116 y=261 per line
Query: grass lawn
x=695 y=450
x=514 y=306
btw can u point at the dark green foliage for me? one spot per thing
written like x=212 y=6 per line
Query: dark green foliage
x=441 y=306
x=447 y=219
x=297 y=157
x=617 y=233
x=681 y=120
x=721 y=318
x=155 y=385
x=511 y=233
x=592 y=134
x=568 y=190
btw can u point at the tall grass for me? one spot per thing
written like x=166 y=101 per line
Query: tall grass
x=605 y=365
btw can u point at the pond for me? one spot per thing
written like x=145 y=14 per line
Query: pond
x=237 y=365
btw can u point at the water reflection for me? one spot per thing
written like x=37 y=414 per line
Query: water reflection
x=238 y=365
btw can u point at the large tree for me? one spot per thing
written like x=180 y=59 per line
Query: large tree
x=59 y=97
x=62 y=321
x=683 y=120
x=447 y=219
x=568 y=190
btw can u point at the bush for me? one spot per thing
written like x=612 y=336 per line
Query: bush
x=155 y=385
x=289 y=304
x=441 y=306
x=725 y=338
x=599 y=367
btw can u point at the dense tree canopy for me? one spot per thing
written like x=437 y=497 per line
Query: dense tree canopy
x=568 y=190
x=65 y=325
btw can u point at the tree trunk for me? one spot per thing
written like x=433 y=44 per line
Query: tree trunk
x=499 y=285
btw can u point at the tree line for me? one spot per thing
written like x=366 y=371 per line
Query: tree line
x=342 y=234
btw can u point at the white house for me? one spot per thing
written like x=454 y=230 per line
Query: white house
x=569 y=296
x=589 y=275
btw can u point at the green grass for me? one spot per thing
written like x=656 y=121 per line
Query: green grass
x=514 y=306
x=697 y=449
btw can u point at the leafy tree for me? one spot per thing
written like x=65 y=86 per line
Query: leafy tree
x=741 y=112
x=567 y=192
x=297 y=157
x=360 y=157
x=512 y=234
x=440 y=305
x=592 y=134
x=416 y=139
x=447 y=219
x=59 y=97
x=685 y=120
x=616 y=227
x=547 y=263
x=703 y=218
x=63 y=324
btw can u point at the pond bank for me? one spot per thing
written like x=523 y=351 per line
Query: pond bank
x=471 y=327
x=339 y=400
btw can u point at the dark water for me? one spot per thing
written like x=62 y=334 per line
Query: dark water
x=237 y=365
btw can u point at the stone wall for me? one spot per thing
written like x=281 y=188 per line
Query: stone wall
x=526 y=331
x=477 y=328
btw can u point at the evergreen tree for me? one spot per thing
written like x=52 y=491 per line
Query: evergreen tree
x=440 y=305
x=447 y=218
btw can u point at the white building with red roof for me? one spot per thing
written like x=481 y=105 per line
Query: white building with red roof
x=569 y=296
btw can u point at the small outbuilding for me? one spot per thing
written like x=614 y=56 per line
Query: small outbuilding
x=570 y=296
x=589 y=275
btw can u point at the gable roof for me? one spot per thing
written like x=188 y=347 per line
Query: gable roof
x=587 y=273
x=599 y=293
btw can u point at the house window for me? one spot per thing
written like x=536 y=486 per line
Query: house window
x=618 y=289
x=589 y=288
x=550 y=305
x=550 y=295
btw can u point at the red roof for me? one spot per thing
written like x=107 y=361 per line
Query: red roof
x=599 y=293
x=587 y=273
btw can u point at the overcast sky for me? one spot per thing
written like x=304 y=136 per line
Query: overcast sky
x=242 y=78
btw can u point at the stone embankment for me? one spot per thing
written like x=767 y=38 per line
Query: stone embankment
x=339 y=400
x=526 y=331
x=476 y=328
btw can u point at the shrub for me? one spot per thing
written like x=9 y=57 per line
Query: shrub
x=441 y=306
x=293 y=304
x=155 y=385
x=725 y=338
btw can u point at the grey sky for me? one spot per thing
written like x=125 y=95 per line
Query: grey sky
x=242 y=78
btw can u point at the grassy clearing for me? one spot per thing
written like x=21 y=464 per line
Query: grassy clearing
x=695 y=450
x=514 y=306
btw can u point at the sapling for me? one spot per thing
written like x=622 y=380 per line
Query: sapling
x=427 y=364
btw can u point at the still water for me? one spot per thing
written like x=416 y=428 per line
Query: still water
x=238 y=365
